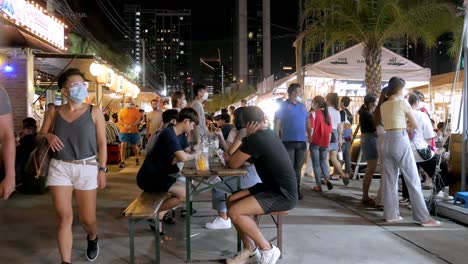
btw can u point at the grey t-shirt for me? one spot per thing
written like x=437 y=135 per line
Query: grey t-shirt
x=5 y=106
x=198 y=107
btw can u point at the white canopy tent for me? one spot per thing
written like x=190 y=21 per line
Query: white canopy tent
x=347 y=70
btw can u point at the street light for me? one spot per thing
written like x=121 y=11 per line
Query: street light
x=137 y=69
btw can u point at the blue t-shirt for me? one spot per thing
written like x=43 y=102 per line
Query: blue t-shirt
x=153 y=175
x=293 y=121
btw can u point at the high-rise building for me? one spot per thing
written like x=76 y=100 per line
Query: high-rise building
x=252 y=52
x=162 y=45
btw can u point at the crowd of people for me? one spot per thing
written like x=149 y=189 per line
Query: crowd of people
x=396 y=135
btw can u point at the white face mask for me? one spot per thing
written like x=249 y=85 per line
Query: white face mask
x=205 y=96
x=128 y=105
x=299 y=99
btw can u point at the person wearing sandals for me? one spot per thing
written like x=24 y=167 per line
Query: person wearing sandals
x=218 y=194
x=320 y=121
x=368 y=144
x=159 y=171
x=398 y=155
x=337 y=138
x=277 y=192
x=76 y=134
x=129 y=118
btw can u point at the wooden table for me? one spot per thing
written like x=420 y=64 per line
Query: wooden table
x=204 y=182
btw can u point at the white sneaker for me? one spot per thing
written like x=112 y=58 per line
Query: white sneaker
x=270 y=256
x=246 y=256
x=219 y=223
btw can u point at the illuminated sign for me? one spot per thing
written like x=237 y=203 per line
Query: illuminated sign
x=34 y=19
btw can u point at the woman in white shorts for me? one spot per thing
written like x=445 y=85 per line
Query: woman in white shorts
x=76 y=134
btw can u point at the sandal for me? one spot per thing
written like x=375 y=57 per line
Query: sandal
x=329 y=184
x=432 y=223
x=317 y=189
x=151 y=224
x=345 y=180
x=369 y=202
x=168 y=219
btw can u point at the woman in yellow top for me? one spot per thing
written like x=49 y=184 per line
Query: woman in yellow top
x=397 y=155
x=129 y=118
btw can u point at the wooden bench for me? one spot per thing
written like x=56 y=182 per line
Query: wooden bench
x=145 y=207
x=277 y=218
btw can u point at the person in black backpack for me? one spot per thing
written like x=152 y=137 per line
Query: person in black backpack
x=347 y=121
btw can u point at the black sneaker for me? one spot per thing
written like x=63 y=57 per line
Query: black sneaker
x=137 y=162
x=92 y=251
x=122 y=165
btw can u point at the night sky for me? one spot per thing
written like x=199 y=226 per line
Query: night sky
x=211 y=25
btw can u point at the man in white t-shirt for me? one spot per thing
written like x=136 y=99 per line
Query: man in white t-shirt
x=154 y=120
x=201 y=94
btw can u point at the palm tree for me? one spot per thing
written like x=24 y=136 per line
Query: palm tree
x=374 y=22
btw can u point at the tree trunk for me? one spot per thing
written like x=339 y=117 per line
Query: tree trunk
x=373 y=56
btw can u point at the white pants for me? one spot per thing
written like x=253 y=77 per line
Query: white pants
x=397 y=155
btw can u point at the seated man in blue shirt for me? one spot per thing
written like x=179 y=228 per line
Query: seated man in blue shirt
x=159 y=171
x=277 y=192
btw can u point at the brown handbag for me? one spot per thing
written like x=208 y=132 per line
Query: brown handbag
x=41 y=155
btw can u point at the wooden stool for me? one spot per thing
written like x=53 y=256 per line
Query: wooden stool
x=277 y=218
x=145 y=207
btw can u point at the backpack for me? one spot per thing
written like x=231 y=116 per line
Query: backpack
x=347 y=129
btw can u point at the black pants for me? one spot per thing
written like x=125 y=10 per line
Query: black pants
x=296 y=151
x=429 y=166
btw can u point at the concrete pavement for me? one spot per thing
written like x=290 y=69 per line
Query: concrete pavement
x=332 y=227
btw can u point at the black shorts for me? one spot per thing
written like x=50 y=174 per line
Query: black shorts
x=271 y=201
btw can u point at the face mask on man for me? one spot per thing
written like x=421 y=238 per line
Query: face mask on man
x=299 y=99
x=205 y=96
x=78 y=92
x=128 y=105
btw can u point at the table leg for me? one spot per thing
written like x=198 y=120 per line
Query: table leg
x=239 y=242
x=188 y=211
x=157 y=240
x=131 y=231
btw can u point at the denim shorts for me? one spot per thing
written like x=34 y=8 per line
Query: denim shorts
x=334 y=146
x=369 y=146
x=131 y=138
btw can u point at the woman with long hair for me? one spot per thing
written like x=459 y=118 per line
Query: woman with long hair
x=368 y=144
x=320 y=141
x=77 y=137
x=178 y=100
x=332 y=101
x=397 y=155
x=380 y=141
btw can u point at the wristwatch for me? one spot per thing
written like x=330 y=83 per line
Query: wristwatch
x=104 y=169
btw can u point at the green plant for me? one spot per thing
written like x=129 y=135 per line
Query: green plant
x=373 y=22
x=219 y=101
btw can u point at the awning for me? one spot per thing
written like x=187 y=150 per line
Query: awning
x=443 y=82
x=11 y=36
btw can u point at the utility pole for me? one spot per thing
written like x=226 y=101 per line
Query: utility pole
x=143 y=64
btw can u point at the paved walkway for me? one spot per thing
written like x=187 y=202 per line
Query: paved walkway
x=333 y=227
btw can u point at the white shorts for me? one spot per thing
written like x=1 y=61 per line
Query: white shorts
x=81 y=177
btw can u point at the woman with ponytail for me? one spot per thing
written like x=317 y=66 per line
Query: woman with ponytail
x=320 y=141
